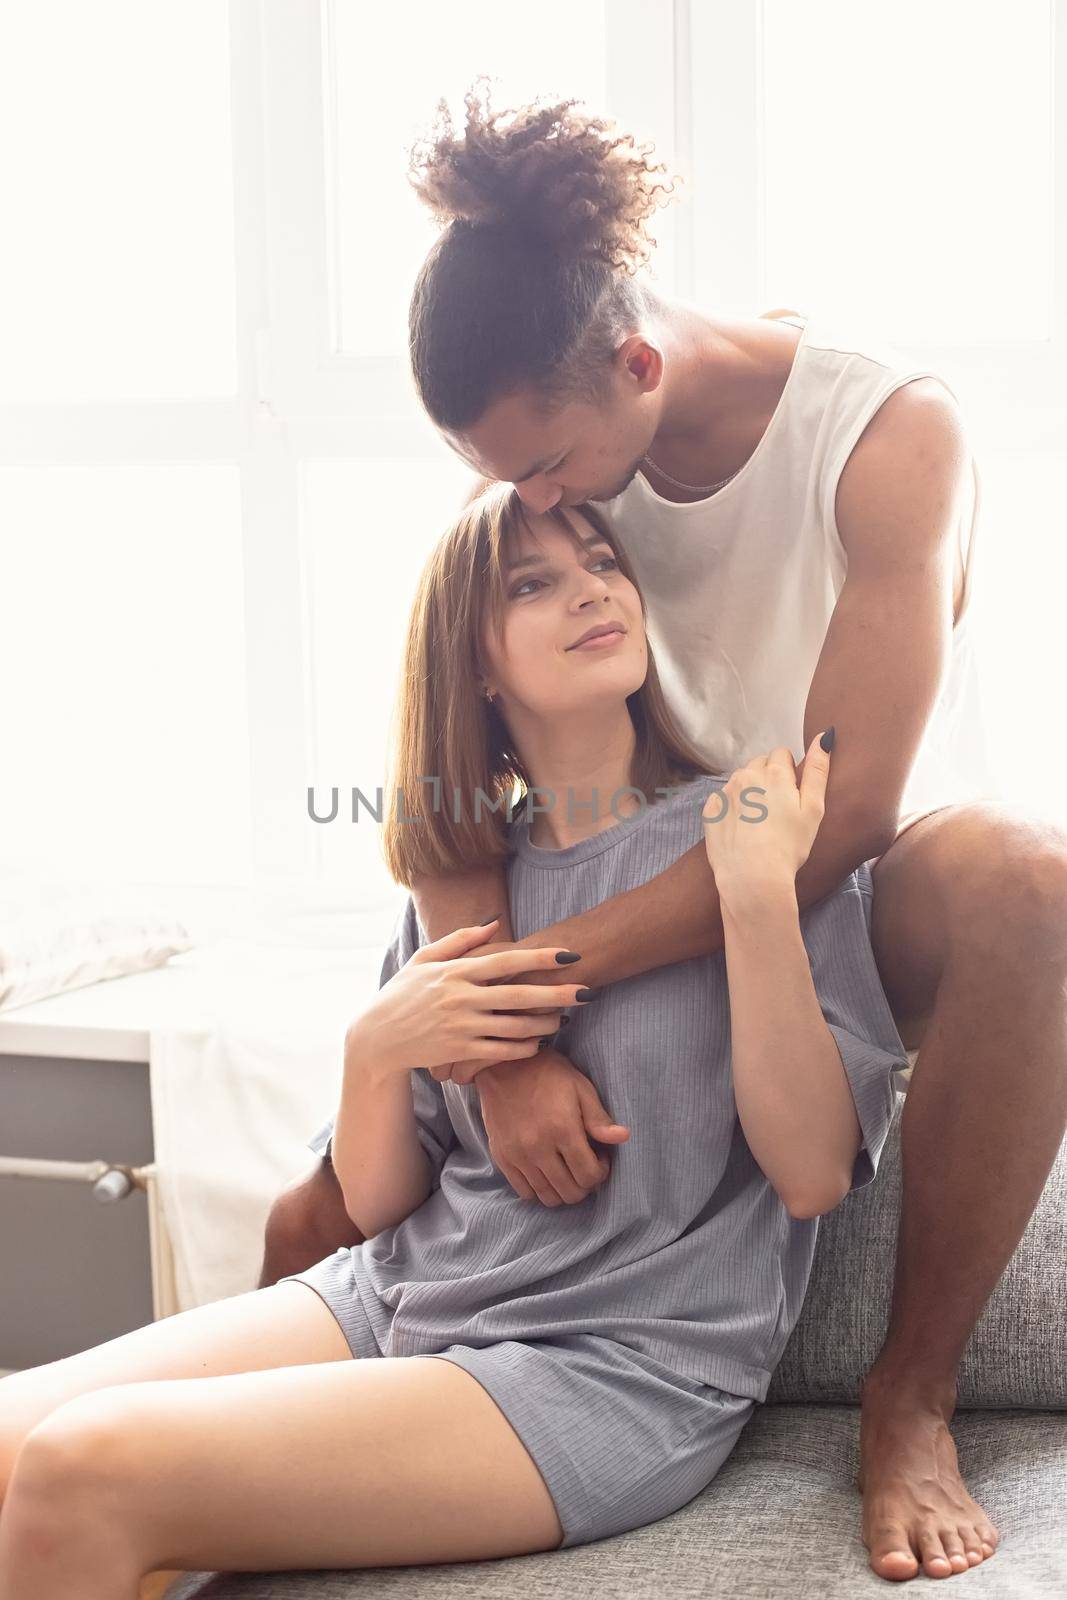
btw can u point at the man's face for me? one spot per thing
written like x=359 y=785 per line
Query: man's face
x=583 y=452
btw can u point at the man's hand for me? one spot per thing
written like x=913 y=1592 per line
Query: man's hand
x=540 y=1115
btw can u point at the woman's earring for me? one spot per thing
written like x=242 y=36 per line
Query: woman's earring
x=489 y=696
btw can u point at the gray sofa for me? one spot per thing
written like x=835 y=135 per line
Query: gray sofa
x=783 y=1515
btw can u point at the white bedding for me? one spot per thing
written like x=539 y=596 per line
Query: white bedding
x=60 y=936
x=235 y=1099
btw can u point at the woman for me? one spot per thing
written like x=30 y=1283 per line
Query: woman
x=526 y=1377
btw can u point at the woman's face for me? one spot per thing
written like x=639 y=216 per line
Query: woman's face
x=557 y=594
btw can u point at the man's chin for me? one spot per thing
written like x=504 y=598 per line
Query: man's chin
x=597 y=496
x=610 y=494
x=620 y=488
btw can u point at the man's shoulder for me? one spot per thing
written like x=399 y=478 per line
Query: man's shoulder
x=922 y=407
x=916 y=435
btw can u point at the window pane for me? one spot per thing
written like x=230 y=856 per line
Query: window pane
x=1020 y=642
x=385 y=95
x=122 y=655
x=908 y=165
x=365 y=546
x=117 y=277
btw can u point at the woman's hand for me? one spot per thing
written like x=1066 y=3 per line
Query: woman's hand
x=748 y=850
x=467 y=1071
x=444 y=1006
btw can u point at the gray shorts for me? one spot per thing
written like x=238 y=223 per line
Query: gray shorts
x=619 y=1439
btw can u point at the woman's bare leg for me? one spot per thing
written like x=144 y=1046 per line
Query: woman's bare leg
x=341 y=1464
x=284 y=1326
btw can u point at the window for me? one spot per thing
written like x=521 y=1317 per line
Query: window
x=122 y=652
x=216 y=483
x=908 y=166
x=117 y=278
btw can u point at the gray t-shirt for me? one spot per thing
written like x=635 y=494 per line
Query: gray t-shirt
x=686 y=1251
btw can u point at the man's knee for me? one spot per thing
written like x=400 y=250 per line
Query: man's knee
x=307 y=1222
x=1014 y=897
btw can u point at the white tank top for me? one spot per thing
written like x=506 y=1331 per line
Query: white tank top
x=740 y=587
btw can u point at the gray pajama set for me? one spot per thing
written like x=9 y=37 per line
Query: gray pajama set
x=627 y=1338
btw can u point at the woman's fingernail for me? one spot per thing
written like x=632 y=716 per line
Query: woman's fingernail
x=486 y=921
x=827 y=740
x=586 y=994
x=565 y=957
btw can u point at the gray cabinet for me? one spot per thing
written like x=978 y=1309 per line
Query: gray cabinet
x=73 y=1272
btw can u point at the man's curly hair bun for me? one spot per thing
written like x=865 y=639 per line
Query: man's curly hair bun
x=550 y=171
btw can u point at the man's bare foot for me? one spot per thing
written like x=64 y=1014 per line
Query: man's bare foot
x=917 y=1514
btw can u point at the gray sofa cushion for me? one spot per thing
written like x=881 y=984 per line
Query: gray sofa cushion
x=1017 y=1355
x=781 y=1518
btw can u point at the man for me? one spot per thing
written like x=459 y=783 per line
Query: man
x=800 y=514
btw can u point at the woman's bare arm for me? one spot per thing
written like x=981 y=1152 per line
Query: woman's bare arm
x=383 y=1171
x=793 y=1098
x=525 y=1104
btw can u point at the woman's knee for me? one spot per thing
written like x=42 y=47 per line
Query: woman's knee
x=306 y=1222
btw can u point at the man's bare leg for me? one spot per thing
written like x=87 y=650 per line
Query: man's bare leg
x=970 y=934
x=307 y=1222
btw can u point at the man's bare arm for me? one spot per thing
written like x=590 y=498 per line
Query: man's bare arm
x=463 y=900
x=877 y=680
x=677 y=915
x=670 y=918
x=889 y=643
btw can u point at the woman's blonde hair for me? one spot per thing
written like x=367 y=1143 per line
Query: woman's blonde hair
x=451 y=758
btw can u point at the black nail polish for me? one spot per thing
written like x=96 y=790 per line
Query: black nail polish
x=827 y=740
x=586 y=994
x=565 y=957
x=486 y=921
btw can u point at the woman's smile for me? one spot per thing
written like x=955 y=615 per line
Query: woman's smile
x=600 y=641
x=600 y=633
